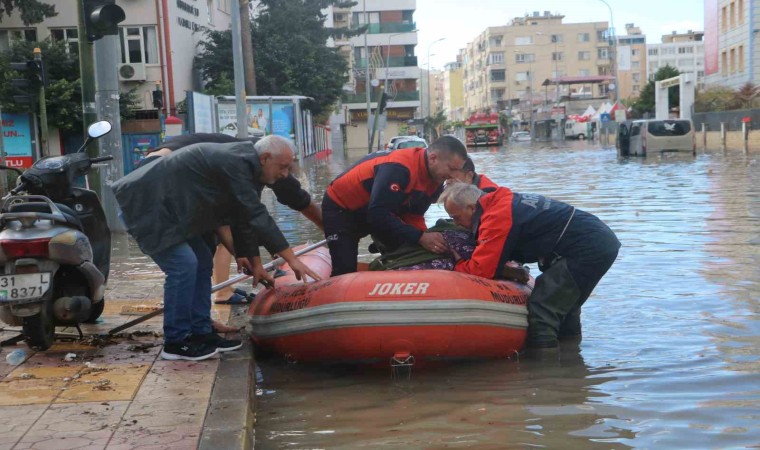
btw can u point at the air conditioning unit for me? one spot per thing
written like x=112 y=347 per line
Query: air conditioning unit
x=132 y=72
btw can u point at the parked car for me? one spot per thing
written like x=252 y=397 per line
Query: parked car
x=520 y=136
x=392 y=142
x=640 y=137
x=411 y=143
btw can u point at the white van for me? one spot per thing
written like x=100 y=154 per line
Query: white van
x=642 y=137
x=576 y=130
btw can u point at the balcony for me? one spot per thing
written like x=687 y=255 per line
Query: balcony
x=361 y=97
x=388 y=27
x=393 y=61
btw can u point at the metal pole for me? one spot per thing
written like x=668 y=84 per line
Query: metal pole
x=4 y=176
x=237 y=65
x=614 y=58
x=43 y=106
x=107 y=101
x=366 y=75
x=87 y=77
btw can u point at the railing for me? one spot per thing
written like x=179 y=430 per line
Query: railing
x=361 y=97
x=388 y=27
x=393 y=61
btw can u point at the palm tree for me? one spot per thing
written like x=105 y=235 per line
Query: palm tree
x=434 y=124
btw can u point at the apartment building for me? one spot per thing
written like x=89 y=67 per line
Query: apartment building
x=386 y=56
x=453 y=91
x=732 y=50
x=682 y=51
x=157 y=43
x=632 y=61
x=505 y=64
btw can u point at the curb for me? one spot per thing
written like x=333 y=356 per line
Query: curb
x=231 y=411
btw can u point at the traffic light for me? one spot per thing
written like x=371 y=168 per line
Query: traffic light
x=158 y=98
x=383 y=103
x=27 y=72
x=101 y=18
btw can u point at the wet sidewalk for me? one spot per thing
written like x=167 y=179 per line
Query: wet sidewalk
x=117 y=394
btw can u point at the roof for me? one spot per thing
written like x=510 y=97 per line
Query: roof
x=594 y=79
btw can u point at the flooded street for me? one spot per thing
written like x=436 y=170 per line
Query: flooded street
x=671 y=350
x=670 y=357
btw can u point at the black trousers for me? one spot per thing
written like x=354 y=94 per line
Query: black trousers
x=343 y=230
x=554 y=308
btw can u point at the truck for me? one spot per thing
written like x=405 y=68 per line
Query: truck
x=576 y=130
x=483 y=129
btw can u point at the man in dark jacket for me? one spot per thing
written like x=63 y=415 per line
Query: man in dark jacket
x=574 y=249
x=169 y=204
x=387 y=194
x=288 y=192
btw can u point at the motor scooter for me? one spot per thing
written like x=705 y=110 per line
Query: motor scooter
x=55 y=246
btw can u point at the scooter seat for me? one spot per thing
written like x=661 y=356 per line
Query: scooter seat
x=68 y=213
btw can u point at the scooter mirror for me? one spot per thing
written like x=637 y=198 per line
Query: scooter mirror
x=99 y=129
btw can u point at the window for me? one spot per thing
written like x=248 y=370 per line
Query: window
x=522 y=76
x=700 y=73
x=557 y=38
x=496 y=58
x=741 y=12
x=210 y=11
x=557 y=56
x=602 y=53
x=494 y=41
x=685 y=50
x=525 y=57
x=584 y=56
x=8 y=36
x=669 y=51
x=138 y=45
x=733 y=14
x=69 y=36
x=584 y=72
x=601 y=36
x=584 y=37
x=636 y=88
x=733 y=60
x=636 y=77
x=652 y=52
x=497 y=95
x=741 y=58
x=528 y=40
x=635 y=52
x=498 y=75
x=723 y=19
x=635 y=65
x=724 y=63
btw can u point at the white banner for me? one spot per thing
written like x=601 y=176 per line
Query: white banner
x=624 y=57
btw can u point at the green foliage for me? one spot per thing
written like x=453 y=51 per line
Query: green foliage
x=714 y=99
x=434 y=123
x=31 y=11
x=129 y=102
x=290 y=54
x=646 y=101
x=746 y=95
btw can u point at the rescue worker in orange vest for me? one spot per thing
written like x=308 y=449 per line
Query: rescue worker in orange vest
x=469 y=176
x=574 y=249
x=387 y=194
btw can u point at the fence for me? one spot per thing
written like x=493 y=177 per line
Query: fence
x=732 y=119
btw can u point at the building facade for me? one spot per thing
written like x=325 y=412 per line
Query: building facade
x=157 y=43
x=632 y=61
x=504 y=65
x=732 y=51
x=386 y=56
x=682 y=51
x=453 y=91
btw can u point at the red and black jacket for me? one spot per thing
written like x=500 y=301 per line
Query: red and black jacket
x=484 y=183
x=393 y=189
x=513 y=226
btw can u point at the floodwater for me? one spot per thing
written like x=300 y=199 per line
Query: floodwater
x=670 y=357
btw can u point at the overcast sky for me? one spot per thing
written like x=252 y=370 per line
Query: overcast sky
x=461 y=21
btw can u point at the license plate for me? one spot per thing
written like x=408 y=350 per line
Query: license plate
x=24 y=286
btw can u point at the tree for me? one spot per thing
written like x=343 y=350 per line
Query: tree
x=746 y=95
x=646 y=100
x=433 y=123
x=31 y=11
x=290 y=54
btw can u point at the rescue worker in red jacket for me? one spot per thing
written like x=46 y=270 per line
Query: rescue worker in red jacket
x=574 y=249
x=469 y=176
x=387 y=194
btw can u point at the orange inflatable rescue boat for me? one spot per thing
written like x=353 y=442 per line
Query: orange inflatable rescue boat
x=389 y=316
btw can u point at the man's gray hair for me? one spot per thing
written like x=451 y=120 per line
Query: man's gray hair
x=461 y=194
x=274 y=145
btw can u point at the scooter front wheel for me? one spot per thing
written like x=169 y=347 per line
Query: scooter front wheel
x=95 y=311
x=39 y=329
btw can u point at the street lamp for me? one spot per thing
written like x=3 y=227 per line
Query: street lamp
x=428 y=73
x=614 y=60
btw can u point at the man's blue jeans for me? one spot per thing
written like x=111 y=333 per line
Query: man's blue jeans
x=187 y=289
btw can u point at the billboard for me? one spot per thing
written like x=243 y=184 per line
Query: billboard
x=17 y=140
x=259 y=121
x=712 y=49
